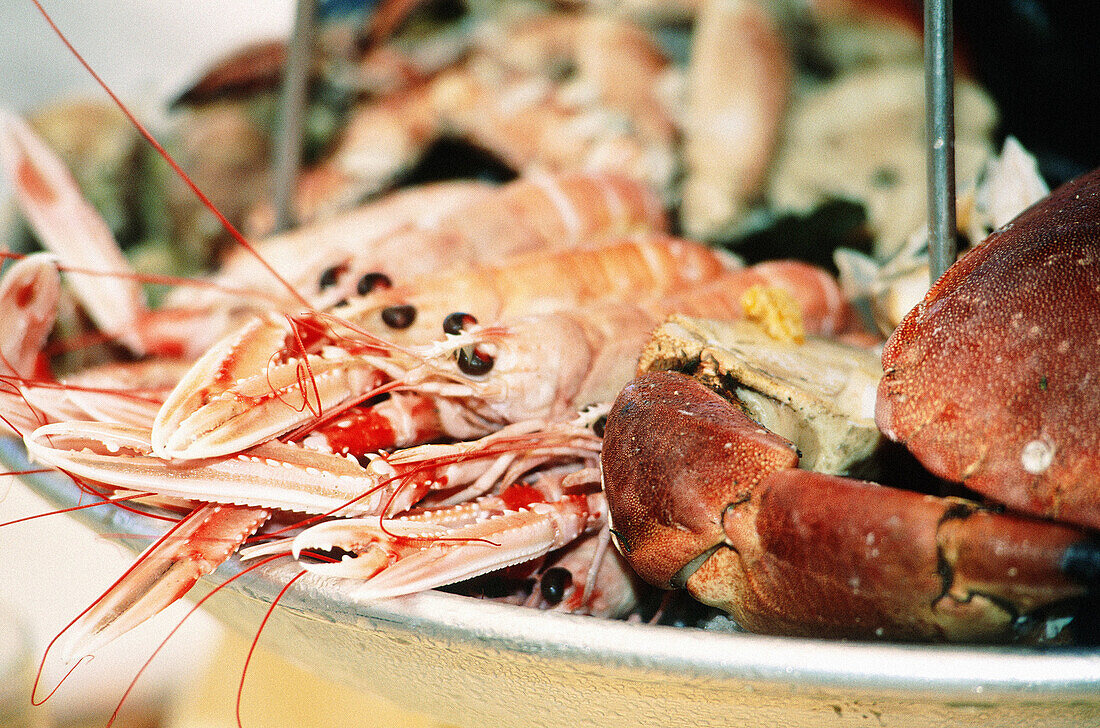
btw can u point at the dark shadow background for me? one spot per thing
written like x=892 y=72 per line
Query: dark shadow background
x=1040 y=59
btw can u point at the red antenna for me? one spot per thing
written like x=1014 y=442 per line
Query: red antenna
x=168 y=158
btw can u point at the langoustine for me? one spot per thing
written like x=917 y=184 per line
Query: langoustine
x=615 y=205
x=251 y=387
x=124 y=457
x=352 y=277
x=429 y=228
x=413 y=233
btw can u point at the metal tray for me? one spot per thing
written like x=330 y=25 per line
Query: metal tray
x=496 y=665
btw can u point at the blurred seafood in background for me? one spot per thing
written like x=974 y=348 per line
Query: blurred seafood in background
x=861 y=138
x=742 y=115
x=735 y=103
x=888 y=288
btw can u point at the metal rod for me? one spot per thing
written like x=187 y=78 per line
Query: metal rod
x=939 y=82
x=292 y=104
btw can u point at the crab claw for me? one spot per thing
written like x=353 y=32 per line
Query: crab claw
x=991 y=379
x=701 y=496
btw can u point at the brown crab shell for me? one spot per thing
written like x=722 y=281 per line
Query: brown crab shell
x=992 y=379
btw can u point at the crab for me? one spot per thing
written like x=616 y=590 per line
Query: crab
x=989 y=382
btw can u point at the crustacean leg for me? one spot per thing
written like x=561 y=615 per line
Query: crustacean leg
x=426 y=549
x=431 y=547
x=71 y=228
x=702 y=496
x=163 y=573
x=29 y=293
x=241 y=492
x=28 y=304
x=275 y=474
x=130 y=393
x=98 y=273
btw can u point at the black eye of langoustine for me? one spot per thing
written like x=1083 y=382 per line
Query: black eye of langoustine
x=473 y=361
x=600 y=425
x=328 y=277
x=457 y=322
x=399 y=317
x=372 y=282
x=553 y=584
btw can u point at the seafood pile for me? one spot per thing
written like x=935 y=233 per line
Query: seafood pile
x=417 y=386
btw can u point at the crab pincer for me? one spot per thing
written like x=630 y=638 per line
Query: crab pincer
x=989 y=381
x=701 y=496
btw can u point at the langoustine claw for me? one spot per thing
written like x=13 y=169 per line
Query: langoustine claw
x=29 y=293
x=71 y=227
x=163 y=573
x=425 y=549
x=701 y=496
